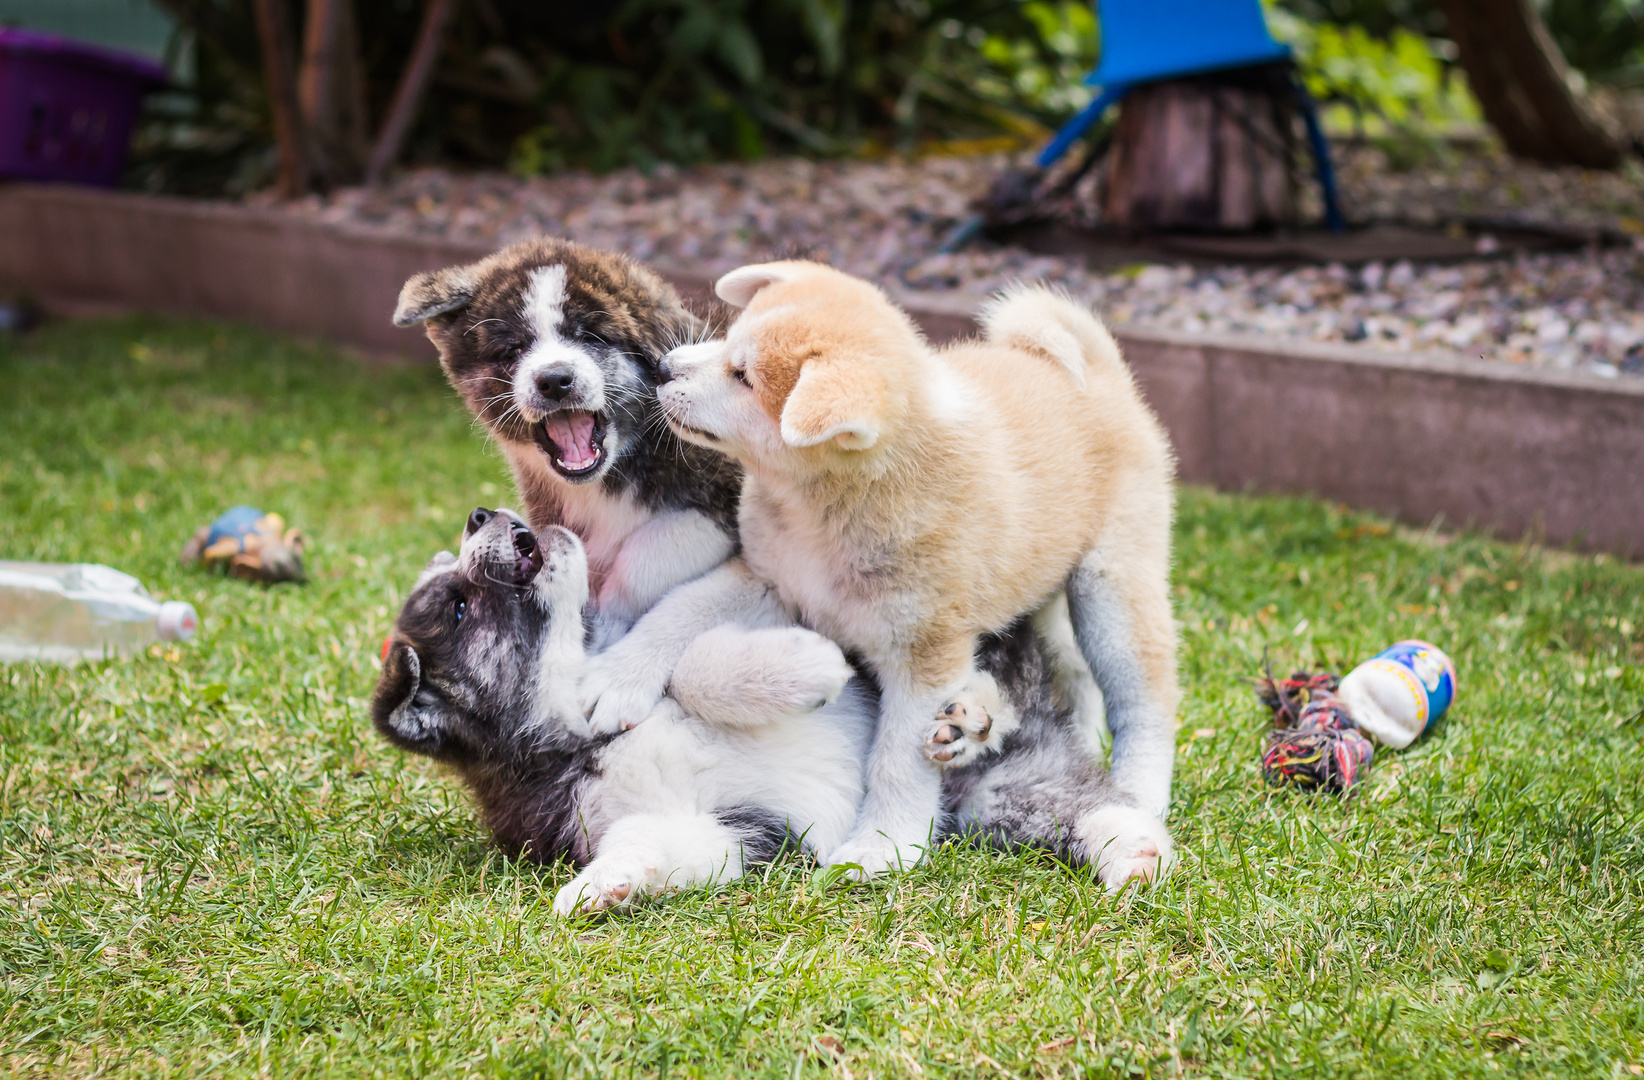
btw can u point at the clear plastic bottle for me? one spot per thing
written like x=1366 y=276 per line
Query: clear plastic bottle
x=65 y=612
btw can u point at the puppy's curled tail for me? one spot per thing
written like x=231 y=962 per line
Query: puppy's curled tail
x=1050 y=322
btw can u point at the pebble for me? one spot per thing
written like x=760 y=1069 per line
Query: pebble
x=883 y=219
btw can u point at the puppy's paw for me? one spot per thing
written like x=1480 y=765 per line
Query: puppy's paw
x=735 y=677
x=960 y=734
x=875 y=855
x=975 y=722
x=617 y=695
x=1125 y=843
x=809 y=671
x=601 y=886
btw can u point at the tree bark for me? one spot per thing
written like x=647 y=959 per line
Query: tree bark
x=1523 y=85
x=330 y=90
x=408 y=95
x=279 y=81
x=1204 y=154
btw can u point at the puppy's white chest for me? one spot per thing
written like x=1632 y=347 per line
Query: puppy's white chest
x=834 y=588
x=603 y=521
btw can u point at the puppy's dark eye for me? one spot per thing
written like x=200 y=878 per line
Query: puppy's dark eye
x=458 y=610
x=741 y=376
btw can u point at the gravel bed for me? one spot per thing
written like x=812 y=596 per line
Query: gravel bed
x=879 y=219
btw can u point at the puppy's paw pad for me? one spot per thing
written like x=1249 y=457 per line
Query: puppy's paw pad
x=961 y=731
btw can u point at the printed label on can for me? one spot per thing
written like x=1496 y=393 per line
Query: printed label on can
x=1432 y=669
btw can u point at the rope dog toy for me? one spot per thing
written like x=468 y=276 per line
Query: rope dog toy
x=1314 y=743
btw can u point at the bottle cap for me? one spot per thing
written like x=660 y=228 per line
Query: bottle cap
x=177 y=621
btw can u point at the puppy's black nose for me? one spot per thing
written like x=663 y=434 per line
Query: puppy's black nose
x=664 y=373
x=477 y=520
x=555 y=382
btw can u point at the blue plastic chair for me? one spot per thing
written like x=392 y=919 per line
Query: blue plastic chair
x=1145 y=41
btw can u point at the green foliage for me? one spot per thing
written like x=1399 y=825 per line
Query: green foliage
x=1396 y=87
x=543 y=86
x=211 y=866
x=1379 y=18
x=686 y=80
x=1603 y=39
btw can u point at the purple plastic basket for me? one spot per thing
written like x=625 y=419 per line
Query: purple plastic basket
x=67 y=108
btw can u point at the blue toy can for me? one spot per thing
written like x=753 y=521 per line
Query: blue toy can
x=1400 y=692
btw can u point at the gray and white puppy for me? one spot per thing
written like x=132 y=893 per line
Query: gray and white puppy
x=481 y=673
x=760 y=745
x=554 y=347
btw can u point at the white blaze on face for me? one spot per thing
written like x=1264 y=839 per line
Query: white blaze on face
x=545 y=300
x=543 y=312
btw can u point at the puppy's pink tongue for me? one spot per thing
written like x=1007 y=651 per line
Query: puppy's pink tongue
x=573 y=436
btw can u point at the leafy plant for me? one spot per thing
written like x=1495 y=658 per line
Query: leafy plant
x=542 y=86
x=1398 y=84
x=1603 y=39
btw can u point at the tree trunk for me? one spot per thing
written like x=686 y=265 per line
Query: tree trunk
x=318 y=108
x=1203 y=154
x=1523 y=85
x=331 y=90
x=408 y=95
x=279 y=82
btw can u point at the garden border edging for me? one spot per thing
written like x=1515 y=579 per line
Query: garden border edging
x=1553 y=455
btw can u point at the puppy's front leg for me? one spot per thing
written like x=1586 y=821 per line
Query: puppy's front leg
x=904 y=797
x=665 y=552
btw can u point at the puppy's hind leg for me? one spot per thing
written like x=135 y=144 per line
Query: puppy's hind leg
x=1075 y=686
x=1122 y=843
x=1121 y=616
x=743 y=678
x=647 y=854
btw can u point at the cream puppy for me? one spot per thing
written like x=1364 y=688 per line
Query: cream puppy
x=904 y=500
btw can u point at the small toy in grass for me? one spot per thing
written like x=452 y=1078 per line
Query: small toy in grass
x=249 y=544
x=1323 y=725
x=1401 y=692
x=18 y=315
x=1314 y=743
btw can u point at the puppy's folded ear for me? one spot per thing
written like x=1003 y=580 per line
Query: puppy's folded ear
x=835 y=399
x=738 y=287
x=436 y=293
x=394 y=704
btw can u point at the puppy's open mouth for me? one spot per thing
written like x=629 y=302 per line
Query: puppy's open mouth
x=527 y=553
x=574 y=442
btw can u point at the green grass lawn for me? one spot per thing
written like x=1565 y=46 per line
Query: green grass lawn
x=211 y=866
